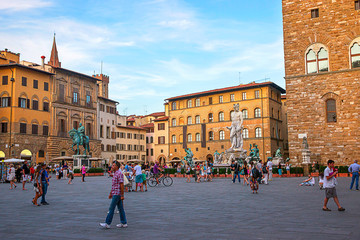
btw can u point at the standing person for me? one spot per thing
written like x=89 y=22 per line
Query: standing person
x=144 y=180
x=270 y=165
x=209 y=172
x=11 y=176
x=354 y=169
x=44 y=184
x=138 y=177
x=18 y=174
x=245 y=173
x=188 y=170
x=57 y=170
x=178 y=169
x=25 y=173
x=279 y=170
x=236 y=172
x=117 y=197
x=65 y=170
x=254 y=175
x=329 y=185
x=71 y=175
x=32 y=171
x=83 y=172
x=232 y=169
x=37 y=185
x=259 y=168
x=287 y=167
x=265 y=171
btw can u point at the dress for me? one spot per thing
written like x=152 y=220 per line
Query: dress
x=11 y=174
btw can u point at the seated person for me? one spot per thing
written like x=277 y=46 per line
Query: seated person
x=321 y=181
x=308 y=182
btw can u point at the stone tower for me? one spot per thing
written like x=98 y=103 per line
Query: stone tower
x=322 y=72
x=54 y=58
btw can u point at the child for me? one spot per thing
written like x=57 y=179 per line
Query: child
x=188 y=173
x=144 y=180
x=209 y=171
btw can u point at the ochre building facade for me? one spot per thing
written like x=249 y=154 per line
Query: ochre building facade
x=322 y=60
x=199 y=121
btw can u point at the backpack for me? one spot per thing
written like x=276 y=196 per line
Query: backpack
x=264 y=169
x=255 y=173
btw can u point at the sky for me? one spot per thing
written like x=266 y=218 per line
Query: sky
x=152 y=49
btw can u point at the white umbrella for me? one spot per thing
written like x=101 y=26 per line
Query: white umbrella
x=12 y=160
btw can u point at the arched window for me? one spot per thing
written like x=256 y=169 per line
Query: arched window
x=147 y=139
x=173 y=138
x=272 y=112
x=189 y=103
x=189 y=120
x=231 y=114
x=257 y=112
x=173 y=106
x=189 y=137
x=221 y=116
x=279 y=136
x=211 y=118
x=197 y=119
x=197 y=137
x=273 y=133
x=244 y=113
x=258 y=132
x=331 y=110
x=245 y=133
x=173 y=122
x=317 y=59
x=151 y=139
x=211 y=135
x=222 y=135
x=197 y=102
x=355 y=55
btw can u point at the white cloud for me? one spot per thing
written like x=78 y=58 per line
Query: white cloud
x=23 y=5
x=177 y=24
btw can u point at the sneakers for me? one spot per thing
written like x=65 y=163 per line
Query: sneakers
x=121 y=225
x=105 y=225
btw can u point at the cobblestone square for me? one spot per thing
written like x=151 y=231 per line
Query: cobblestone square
x=209 y=210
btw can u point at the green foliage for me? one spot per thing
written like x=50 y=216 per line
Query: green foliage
x=222 y=170
x=215 y=171
x=342 y=169
x=296 y=170
x=228 y=171
x=76 y=170
x=170 y=170
x=95 y=170
x=182 y=171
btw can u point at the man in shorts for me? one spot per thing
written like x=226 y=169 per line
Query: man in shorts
x=138 y=177
x=329 y=185
x=157 y=171
x=25 y=173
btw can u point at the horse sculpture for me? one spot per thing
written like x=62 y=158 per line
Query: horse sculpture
x=76 y=138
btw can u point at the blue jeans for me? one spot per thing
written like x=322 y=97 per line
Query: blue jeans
x=116 y=201
x=238 y=175
x=44 y=188
x=280 y=172
x=355 y=176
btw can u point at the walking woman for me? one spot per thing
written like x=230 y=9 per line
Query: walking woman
x=70 y=175
x=245 y=173
x=83 y=172
x=188 y=170
x=37 y=185
x=11 y=176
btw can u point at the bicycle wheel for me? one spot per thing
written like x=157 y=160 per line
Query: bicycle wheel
x=167 y=181
x=152 y=182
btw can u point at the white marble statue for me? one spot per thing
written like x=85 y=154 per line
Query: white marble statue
x=236 y=129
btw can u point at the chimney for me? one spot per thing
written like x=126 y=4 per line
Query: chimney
x=43 y=62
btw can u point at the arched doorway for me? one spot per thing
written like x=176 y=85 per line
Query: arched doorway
x=2 y=155
x=161 y=160
x=209 y=158
x=25 y=154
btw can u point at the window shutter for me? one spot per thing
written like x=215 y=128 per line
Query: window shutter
x=9 y=102
x=19 y=102
x=0 y=101
x=28 y=103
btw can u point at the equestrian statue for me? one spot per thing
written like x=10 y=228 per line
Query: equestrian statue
x=79 y=139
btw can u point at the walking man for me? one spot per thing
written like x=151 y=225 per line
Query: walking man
x=329 y=185
x=117 y=196
x=25 y=173
x=236 y=172
x=354 y=169
x=44 y=183
x=269 y=165
x=138 y=177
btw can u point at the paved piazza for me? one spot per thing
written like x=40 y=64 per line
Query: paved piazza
x=212 y=210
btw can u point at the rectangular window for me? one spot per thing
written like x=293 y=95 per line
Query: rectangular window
x=5 y=80
x=161 y=140
x=257 y=94
x=220 y=99
x=75 y=96
x=22 y=102
x=244 y=96
x=22 y=127
x=357 y=5
x=152 y=152
x=45 y=130
x=232 y=97
x=101 y=131
x=61 y=93
x=161 y=126
x=35 y=84
x=45 y=106
x=88 y=130
x=107 y=132
x=46 y=86
x=24 y=81
x=210 y=101
x=88 y=99
x=4 y=127
x=5 y=102
x=129 y=135
x=197 y=102
x=315 y=13
x=35 y=105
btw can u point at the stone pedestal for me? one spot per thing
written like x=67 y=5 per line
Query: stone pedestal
x=306 y=169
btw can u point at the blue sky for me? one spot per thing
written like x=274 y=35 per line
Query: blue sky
x=152 y=49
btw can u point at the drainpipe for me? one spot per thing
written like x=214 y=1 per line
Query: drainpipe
x=11 y=109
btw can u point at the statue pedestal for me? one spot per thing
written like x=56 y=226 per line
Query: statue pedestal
x=277 y=160
x=79 y=160
x=306 y=169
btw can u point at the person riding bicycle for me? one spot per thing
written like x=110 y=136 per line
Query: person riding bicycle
x=157 y=171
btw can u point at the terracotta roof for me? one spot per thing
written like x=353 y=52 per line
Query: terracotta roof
x=131 y=127
x=161 y=119
x=157 y=114
x=26 y=67
x=283 y=96
x=149 y=125
x=77 y=73
x=229 y=89
x=107 y=99
x=130 y=120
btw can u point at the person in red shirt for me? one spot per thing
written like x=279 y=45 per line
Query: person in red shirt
x=32 y=172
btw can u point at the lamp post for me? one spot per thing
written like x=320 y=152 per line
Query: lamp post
x=11 y=100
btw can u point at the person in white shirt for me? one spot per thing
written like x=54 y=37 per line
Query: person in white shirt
x=269 y=165
x=308 y=182
x=138 y=177
x=329 y=185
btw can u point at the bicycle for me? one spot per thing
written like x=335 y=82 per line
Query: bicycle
x=166 y=180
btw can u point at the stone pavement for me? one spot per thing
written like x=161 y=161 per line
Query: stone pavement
x=211 y=210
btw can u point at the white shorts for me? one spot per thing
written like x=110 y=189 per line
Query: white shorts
x=25 y=177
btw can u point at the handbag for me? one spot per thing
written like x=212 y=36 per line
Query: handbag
x=242 y=172
x=126 y=181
